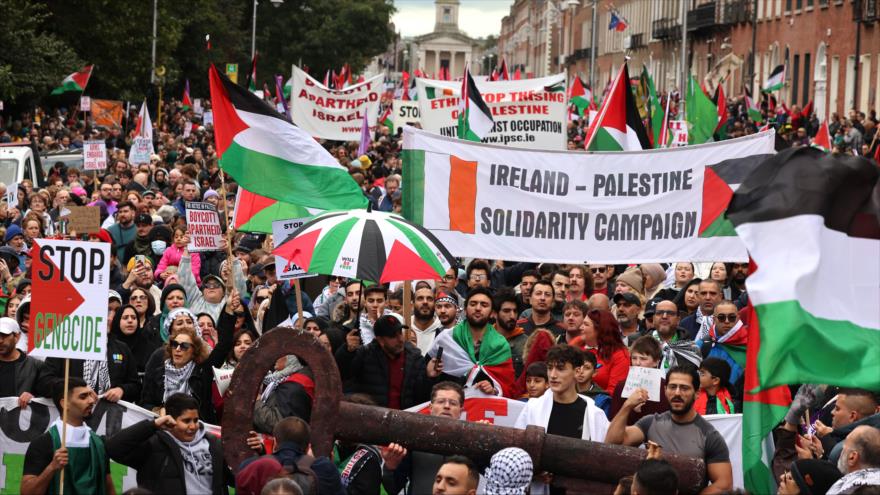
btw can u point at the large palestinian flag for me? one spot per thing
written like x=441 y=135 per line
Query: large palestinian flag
x=269 y=156
x=719 y=183
x=810 y=226
x=255 y=213
x=459 y=357
x=75 y=82
x=618 y=127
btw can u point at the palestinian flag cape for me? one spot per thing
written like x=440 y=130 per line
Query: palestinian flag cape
x=810 y=226
x=618 y=126
x=474 y=117
x=75 y=82
x=187 y=101
x=255 y=213
x=269 y=156
x=459 y=358
x=578 y=96
x=822 y=140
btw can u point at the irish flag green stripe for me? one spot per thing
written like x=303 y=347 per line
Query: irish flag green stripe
x=275 y=177
x=328 y=248
x=413 y=193
x=812 y=349
x=423 y=250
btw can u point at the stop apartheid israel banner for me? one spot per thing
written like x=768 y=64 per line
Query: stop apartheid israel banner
x=497 y=202
x=334 y=114
x=528 y=113
x=71 y=283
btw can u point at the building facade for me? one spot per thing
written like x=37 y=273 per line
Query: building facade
x=447 y=47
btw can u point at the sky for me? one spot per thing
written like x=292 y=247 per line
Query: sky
x=477 y=18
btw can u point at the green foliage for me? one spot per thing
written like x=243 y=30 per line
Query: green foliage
x=33 y=60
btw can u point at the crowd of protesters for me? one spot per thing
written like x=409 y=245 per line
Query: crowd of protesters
x=572 y=333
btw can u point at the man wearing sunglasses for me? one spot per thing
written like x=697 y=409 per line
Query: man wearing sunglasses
x=330 y=297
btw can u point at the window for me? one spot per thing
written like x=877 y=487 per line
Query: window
x=799 y=4
x=788 y=5
x=794 y=81
x=810 y=4
x=806 y=97
x=447 y=14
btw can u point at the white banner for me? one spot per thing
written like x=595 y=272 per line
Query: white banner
x=498 y=202
x=94 y=155
x=404 y=112
x=330 y=114
x=202 y=227
x=19 y=427
x=286 y=269
x=68 y=316
x=528 y=113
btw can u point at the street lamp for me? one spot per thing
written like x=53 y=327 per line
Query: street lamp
x=276 y=4
x=569 y=6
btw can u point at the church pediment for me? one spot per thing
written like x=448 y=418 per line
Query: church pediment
x=445 y=38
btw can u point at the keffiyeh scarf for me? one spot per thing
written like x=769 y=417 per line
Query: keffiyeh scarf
x=509 y=472
x=274 y=378
x=177 y=379
x=706 y=322
x=682 y=349
x=97 y=375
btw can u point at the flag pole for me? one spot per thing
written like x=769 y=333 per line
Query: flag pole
x=64 y=421
x=407 y=309
x=299 y=303
x=230 y=231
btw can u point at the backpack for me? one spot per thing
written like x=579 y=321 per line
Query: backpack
x=301 y=473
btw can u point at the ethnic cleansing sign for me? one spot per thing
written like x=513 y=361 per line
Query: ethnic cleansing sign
x=71 y=282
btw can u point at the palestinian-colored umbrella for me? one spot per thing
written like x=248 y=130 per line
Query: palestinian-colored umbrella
x=366 y=245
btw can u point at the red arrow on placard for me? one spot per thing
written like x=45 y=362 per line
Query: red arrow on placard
x=55 y=296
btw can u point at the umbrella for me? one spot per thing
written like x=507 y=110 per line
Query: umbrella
x=366 y=245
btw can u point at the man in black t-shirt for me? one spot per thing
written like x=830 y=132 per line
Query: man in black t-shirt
x=680 y=430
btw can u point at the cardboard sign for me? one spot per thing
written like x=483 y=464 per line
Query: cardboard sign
x=12 y=195
x=82 y=219
x=286 y=269
x=68 y=317
x=646 y=378
x=85 y=103
x=141 y=149
x=94 y=155
x=202 y=227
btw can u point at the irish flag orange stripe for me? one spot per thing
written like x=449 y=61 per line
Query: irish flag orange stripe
x=462 y=195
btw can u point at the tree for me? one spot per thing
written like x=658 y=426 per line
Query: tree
x=32 y=60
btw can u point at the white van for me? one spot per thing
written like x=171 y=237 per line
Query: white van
x=19 y=161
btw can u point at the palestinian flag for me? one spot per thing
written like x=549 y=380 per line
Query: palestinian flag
x=822 y=140
x=618 y=126
x=719 y=183
x=809 y=223
x=459 y=358
x=474 y=117
x=75 y=82
x=385 y=120
x=255 y=213
x=754 y=110
x=187 y=101
x=503 y=72
x=578 y=96
x=269 y=156
x=775 y=81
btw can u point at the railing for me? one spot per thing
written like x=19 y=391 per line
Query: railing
x=701 y=17
x=637 y=41
x=666 y=29
x=737 y=11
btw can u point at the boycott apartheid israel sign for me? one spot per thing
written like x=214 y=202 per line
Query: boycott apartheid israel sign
x=334 y=114
x=202 y=227
x=528 y=113
x=497 y=202
x=71 y=283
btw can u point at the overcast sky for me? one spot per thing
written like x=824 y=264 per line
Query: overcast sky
x=477 y=18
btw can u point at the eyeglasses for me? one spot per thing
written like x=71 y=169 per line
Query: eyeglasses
x=726 y=318
x=450 y=402
x=477 y=278
x=337 y=279
x=138 y=298
x=665 y=312
x=597 y=270
x=184 y=346
x=212 y=285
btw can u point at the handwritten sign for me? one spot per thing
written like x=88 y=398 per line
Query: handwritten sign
x=202 y=227
x=646 y=378
x=94 y=155
x=83 y=219
x=281 y=230
x=141 y=149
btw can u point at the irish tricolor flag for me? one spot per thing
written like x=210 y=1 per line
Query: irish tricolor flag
x=474 y=117
x=810 y=227
x=269 y=156
x=75 y=82
x=775 y=81
x=618 y=127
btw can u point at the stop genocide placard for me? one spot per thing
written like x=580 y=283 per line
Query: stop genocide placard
x=68 y=310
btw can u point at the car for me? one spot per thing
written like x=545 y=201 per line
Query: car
x=20 y=161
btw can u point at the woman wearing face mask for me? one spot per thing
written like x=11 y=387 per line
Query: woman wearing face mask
x=242 y=340
x=160 y=237
x=185 y=364
x=173 y=297
x=126 y=327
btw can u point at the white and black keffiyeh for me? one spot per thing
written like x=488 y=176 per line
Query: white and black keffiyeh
x=177 y=379
x=97 y=375
x=706 y=322
x=509 y=472
x=274 y=378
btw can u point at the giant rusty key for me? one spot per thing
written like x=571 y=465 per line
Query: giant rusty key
x=581 y=466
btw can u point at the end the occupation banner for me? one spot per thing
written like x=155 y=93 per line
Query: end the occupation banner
x=528 y=113
x=497 y=202
x=334 y=114
x=68 y=317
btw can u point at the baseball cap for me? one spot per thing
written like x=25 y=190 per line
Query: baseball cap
x=387 y=326
x=628 y=297
x=143 y=219
x=8 y=326
x=114 y=295
x=213 y=277
x=651 y=306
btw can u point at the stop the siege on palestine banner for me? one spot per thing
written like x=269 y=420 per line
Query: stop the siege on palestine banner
x=68 y=317
x=497 y=202
x=528 y=113
x=333 y=114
